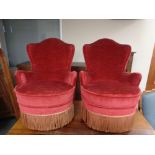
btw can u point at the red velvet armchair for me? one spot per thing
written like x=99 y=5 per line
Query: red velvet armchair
x=110 y=95
x=45 y=94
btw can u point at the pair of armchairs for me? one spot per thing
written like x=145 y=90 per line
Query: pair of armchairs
x=109 y=94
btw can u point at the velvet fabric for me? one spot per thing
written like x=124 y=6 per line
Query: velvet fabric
x=105 y=86
x=51 y=55
x=49 y=87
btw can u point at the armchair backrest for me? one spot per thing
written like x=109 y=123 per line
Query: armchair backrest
x=51 y=55
x=106 y=58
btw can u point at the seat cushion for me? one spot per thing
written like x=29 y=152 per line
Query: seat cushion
x=113 y=88
x=43 y=88
x=110 y=95
x=44 y=95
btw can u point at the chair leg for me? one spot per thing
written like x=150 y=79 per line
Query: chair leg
x=48 y=122
x=111 y=124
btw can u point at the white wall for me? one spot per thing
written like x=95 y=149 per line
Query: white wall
x=140 y=34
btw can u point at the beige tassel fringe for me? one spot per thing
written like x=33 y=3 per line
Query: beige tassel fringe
x=107 y=124
x=48 y=122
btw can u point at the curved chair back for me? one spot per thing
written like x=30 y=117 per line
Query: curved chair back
x=106 y=58
x=51 y=55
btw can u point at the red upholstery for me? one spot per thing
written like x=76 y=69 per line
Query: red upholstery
x=49 y=87
x=58 y=53
x=105 y=86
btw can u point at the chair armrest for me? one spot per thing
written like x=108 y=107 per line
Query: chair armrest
x=83 y=78
x=71 y=78
x=23 y=76
x=132 y=78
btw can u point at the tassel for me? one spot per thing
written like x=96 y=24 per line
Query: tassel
x=48 y=122
x=109 y=124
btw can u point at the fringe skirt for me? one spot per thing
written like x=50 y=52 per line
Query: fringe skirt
x=111 y=124
x=48 y=122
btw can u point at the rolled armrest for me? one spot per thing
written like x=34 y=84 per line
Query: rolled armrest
x=133 y=78
x=23 y=76
x=71 y=78
x=83 y=78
